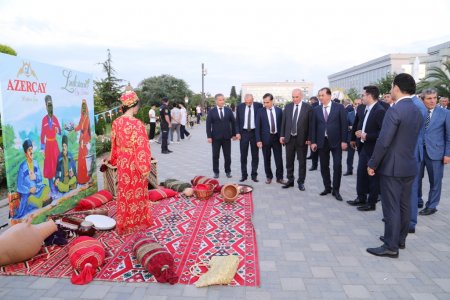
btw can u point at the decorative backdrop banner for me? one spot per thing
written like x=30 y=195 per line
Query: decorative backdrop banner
x=47 y=115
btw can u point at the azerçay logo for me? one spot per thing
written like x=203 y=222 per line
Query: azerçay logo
x=26 y=84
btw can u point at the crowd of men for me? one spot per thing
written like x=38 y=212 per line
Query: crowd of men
x=396 y=139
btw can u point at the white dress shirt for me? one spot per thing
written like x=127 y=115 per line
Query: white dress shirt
x=274 y=118
x=252 y=121
x=294 y=122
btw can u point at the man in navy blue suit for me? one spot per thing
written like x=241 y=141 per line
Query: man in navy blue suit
x=314 y=156
x=268 y=126
x=245 y=126
x=436 y=153
x=394 y=160
x=329 y=134
x=220 y=129
x=351 y=113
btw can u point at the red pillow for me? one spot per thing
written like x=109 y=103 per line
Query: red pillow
x=160 y=193
x=94 y=200
x=204 y=179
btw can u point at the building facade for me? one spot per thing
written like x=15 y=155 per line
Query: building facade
x=281 y=91
x=435 y=57
x=370 y=72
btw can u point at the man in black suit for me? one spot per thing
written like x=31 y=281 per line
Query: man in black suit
x=245 y=126
x=268 y=124
x=294 y=133
x=329 y=133
x=314 y=156
x=394 y=160
x=367 y=132
x=220 y=128
x=350 y=120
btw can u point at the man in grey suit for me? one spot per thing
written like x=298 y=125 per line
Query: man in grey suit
x=436 y=152
x=294 y=134
x=394 y=160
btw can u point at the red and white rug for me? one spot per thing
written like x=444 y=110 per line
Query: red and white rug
x=192 y=230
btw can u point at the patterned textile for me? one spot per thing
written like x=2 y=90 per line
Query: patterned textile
x=176 y=185
x=94 y=200
x=155 y=259
x=130 y=152
x=204 y=179
x=160 y=193
x=191 y=230
x=86 y=254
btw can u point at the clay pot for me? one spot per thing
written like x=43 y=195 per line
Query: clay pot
x=230 y=192
x=23 y=241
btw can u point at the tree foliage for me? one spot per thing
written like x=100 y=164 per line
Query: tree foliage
x=7 y=50
x=233 y=93
x=437 y=78
x=107 y=90
x=385 y=84
x=352 y=93
x=153 y=89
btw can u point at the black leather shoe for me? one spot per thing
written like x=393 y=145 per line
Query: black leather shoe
x=216 y=175
x=356 y=202
x=255 y=179
x=229 y=175
x=288 y=185
x=268 y=180
x=281 y=181
x=381 y=251
x=366 y=207
x=420 y=205
x=312 y=168
x=400 y=245
x=325 y=192
x=166 y=152
x=301 y=187
x=348 y=173
x=337 y=196
x=243 y=179
x=411 y=230
x=427 y=211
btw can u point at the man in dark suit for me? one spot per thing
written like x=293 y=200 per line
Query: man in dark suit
x=245 y=126
x=314 y=156
x=436 y=153
x=443 y=102
x=350 y=120
x=329 y=134
x=368 y=131
x=220 y=129
x=294 y=133
x=268 y=124
x=394 y=160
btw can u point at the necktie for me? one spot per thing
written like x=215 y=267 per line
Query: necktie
x=365 y=113
x=249 y=122
x=294 y=122
x=221 y=113
x=325 y=113
x=272 y=122
x=428 y=119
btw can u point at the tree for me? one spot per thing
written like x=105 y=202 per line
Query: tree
x=385 y=84
x=352 y=93
x=233 y=93
x=153 y=89
x=7 y=50
x=437 y=78
x=107 y=90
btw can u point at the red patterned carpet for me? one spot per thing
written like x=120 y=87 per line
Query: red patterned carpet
x=192 y=230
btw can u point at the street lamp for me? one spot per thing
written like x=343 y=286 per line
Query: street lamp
x=204 y=72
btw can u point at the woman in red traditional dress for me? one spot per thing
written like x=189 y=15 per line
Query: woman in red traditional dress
x=85 y=137
x=130 y=152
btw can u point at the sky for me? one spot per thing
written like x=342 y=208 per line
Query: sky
x=238 y=41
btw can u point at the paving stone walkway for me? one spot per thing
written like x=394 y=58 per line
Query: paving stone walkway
x=310 y=246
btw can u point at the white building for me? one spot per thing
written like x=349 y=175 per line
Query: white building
x=370 y=72
x=435 y=57
x=281 y=91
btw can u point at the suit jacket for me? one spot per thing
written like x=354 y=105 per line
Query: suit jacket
x=373 y=127
x=262 y=131
x=437 y=135
x=357 y=124
x=302 y=124
x=240 y=115
x=384 y=104
x=394 y=153
x=350 y=120
x=336 y=126
x=349 y=108
x=423 y=110
x=217 y=128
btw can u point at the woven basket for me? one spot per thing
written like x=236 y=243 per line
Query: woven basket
x=203 y=194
